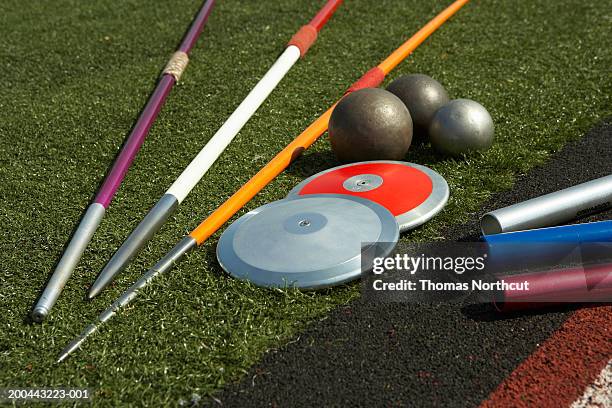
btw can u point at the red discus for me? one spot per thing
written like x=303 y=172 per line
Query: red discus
x=411 y=192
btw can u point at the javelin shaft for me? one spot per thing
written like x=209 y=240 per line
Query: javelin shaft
x=95 y=212
x=209 y=154
x=262 y=178
x=149 y=114
x=280 y=162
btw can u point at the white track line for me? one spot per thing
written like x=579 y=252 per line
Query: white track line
x=598 y=394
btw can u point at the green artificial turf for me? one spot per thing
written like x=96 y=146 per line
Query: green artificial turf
x=75 y=76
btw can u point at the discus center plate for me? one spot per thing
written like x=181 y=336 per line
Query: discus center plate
x=362 y=183
x=411 y=192
x=310 y=242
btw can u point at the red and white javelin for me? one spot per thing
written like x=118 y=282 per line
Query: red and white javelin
x=296 y=48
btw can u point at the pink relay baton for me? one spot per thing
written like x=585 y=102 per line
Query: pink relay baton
x=592 y=283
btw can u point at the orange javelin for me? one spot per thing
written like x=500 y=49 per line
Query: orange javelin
x=210 y=225
x=281 y=161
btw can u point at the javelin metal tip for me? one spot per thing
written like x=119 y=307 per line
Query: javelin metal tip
x=76 y=343
x=70 y=348
x=164 y=264
x=97 y=287
x=39 y=314
x=69 y=260
x=150 y=224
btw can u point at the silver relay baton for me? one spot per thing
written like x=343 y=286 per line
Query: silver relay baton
x=551 y=209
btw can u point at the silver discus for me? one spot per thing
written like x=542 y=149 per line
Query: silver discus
x=309 y=242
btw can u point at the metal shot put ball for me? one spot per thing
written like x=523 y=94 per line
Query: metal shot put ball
x=422 y=95
x=370 y=124
x=460 y=127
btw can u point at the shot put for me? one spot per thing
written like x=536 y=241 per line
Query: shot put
x=460 y=127
x=422 y=95
x=370 y=124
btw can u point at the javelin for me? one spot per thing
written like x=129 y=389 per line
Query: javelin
x=372 y=78
x=167 y=204
x=95 y=212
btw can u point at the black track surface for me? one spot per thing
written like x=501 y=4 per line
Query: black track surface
x=369 y=354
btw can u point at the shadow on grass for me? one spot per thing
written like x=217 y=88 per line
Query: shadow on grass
x=312 y=163
x=317 y=161
x=211 y=258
